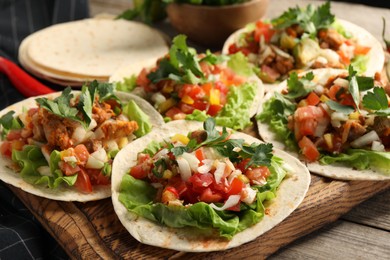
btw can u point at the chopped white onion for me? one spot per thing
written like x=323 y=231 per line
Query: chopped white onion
x=365 y=139
x=341 y=82
x=233 y=175
x=70 y=159
x=97 y=159
x=92 y=125
x=161 y=154
x=211 y=153
x=378 y=146
x=111 y=145
x=230 y=202
x=319 y=89
x=157 y=98
x=206 y=167
x=192 y=161
x=249 y=195
x=184 y=167
x=46 y=153
x=330 y=55
x=79 y=134
x=218 y=174
x=44 y=171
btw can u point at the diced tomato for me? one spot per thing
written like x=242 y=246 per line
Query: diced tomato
x=242 y=165
x=142 y=80
x=200 y=155
x=81 y=153
x=312 y=99
x=306 y=120
x=172 y=112
x=97 y=177
x=68 y=169
x=185 y=108
x=143 y=157
x=169 y=194
x=209 y=196
x=308 y=149
x=221 y=86
x=333 y=92
x=343 y=57
x=257 y=175
x=361 y=50
x=265 y=30
x=139 y=171
x=340 y=95
x=222 y=187
x=193 y=91
x=233 y=48
x=214 y=109
x=15 y=134
x=178 y=184
x=236 y=187
x=6 y=149
x=200 y=181
x=83 y=183
x=201 y=105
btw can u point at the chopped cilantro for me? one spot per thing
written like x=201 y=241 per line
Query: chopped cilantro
x=310 y=19
x=376 y=100
x=339 y=107
x=299 y=87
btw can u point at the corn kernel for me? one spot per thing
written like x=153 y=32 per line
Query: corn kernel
x=243 y=178
x=168 y=88
x=187 y=100
x=180 y=138
x=167 y=174
x=302 y=103
x=122 y=142
x=329 y=140
x=324 y=98
x=355 y=115
x=214 y=97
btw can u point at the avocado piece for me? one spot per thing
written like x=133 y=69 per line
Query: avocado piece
x=306 y=51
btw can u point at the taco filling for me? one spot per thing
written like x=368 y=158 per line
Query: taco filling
x=333 y=118
x=71 y=139
x=185 y=85
x=207 y=179
x=299 y=39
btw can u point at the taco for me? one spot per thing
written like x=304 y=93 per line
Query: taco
x=334 y=120
x=305 y=38
x=61 y=146
x=185 y=85
x=191 y=189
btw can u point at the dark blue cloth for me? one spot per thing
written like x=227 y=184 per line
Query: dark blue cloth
x=21 y=235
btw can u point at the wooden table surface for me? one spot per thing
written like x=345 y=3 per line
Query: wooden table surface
x=362 y=233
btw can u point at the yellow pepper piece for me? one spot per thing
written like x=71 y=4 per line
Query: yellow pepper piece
x=167 y=174
x=187 y=99
x=243 y=178
x=214 y=96
x=180 y=138
x=329 y=140
x=167 y=104
x=355 y=115
x=324 y=98
x=168 y=88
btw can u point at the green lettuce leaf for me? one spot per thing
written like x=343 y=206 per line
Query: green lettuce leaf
x=31 y=158
x=236 y=112
x=197 y=115
x=134 y=112
x=359 y=63
x=137 y=196
x=238 y=62
x=127 y=84
x=361 y=159
x=276 y=112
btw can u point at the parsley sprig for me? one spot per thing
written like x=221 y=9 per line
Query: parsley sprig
x=259 y=154
x=62 y=107
x=310 y=19
x=182 y=65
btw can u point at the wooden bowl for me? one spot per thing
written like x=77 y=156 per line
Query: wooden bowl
x=211 y=25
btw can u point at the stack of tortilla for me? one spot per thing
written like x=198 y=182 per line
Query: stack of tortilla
x=72 y=53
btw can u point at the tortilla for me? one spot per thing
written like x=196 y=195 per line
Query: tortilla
x=335 y=171
x=90 y=49
x=376 y=54
x=290 y=194
x=65 y=193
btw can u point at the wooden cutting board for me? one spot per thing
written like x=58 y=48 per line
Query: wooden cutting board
x=93 y=231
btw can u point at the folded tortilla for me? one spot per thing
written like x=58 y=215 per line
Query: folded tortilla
x=290 y=194
x=363 y=37
x=335 y=171
x=64 y=192
x=89 y=49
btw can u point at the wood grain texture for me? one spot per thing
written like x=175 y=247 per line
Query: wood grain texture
x=92 y=230
x=326 y=245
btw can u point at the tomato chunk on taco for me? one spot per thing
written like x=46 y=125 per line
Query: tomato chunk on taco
x=190 y=188
x=61 y=146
